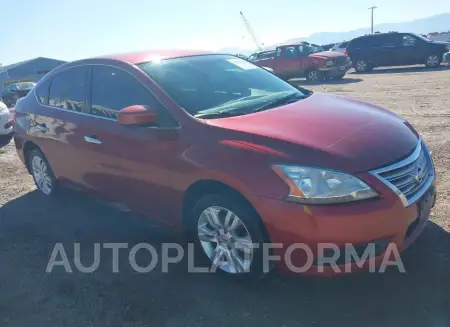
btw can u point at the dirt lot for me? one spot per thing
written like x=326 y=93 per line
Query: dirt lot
x=30 y=226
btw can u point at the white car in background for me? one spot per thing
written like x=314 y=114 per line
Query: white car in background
x=340 y=47
x=6 y=123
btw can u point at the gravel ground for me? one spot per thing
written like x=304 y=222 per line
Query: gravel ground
x=30 y=225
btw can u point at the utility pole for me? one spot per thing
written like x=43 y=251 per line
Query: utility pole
x=371 y=20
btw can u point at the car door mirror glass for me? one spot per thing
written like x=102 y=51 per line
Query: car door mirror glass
x=137 y=115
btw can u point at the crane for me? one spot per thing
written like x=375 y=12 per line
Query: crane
x=251 y=32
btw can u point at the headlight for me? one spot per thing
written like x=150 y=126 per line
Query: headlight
x=321 y=186
x=329 y=62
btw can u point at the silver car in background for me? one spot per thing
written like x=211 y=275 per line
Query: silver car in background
x=339 y=47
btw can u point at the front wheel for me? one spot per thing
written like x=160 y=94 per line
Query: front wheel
x=42 y=173
x=313 y=75
x=230 y=235
x=433 y=61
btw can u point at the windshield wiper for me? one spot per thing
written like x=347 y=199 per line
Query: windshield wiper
x=218 y=114
x=293 y=97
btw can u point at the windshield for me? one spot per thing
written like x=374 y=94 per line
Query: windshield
x=219 y=83
x=422 y=37
x=24 y=86
x=316 y=48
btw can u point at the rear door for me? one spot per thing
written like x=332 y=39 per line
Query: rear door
x=130 y=165
x=58 y=120
x=383 y=49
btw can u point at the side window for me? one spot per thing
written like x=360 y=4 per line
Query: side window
x=278 y=52
x=252 y=57
x=376 y=41
x=304 y=50
x=42 y=91
x=408 y=40
x=68 y=89
x=113 y=89
x=290 y=53
x=343 y=45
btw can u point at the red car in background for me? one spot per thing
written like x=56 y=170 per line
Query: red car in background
x=228 y=152
x=303 y=60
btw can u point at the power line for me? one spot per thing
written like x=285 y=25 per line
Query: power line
x=371 y=20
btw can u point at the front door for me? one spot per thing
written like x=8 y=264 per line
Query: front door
x=128 y=164
x=287 y=62
x=411 y=50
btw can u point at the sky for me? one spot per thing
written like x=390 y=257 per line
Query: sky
x=75 y=29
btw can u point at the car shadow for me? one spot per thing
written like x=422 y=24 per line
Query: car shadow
x=31 y=225
x=345 y=80
x=402 y=70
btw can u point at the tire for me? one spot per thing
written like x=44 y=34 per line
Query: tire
x=313 y=75
x=213 y=238
x=362 y=66
x=433 y=61
x=42 y=173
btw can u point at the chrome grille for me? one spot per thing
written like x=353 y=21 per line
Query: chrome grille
x=411 y=177
x=341 y=61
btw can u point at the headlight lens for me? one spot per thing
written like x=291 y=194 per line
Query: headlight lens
x=329 y=63
x=322 y=186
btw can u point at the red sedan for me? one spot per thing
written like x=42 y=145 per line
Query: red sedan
x=230 y=153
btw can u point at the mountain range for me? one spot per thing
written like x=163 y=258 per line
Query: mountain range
x=438 y=23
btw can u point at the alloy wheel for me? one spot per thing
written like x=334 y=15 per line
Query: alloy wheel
x=41 y=175
x=432 y=61
x=313 y=75
x=361 y=66
x=225 y=240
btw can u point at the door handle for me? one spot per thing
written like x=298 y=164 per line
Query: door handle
x=42 y=128
x=92 y=140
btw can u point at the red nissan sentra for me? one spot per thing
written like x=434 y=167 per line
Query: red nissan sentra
x=232 y=154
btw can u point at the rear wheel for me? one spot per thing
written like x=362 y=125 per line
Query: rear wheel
x=42 y=173
x=362 y=66
x=225 y=229
x=433 y=61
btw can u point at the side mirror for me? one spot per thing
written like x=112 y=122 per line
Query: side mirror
x=136 y=115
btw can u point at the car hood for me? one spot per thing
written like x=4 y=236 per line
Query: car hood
x=440 y=42
x=327 y=131
x=326 y=54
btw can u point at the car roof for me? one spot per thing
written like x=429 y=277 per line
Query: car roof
x=144 y=56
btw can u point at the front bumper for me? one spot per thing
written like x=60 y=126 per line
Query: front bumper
x=383 y=221
x=335 y=70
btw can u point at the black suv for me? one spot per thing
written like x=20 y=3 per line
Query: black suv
x=395 y=49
